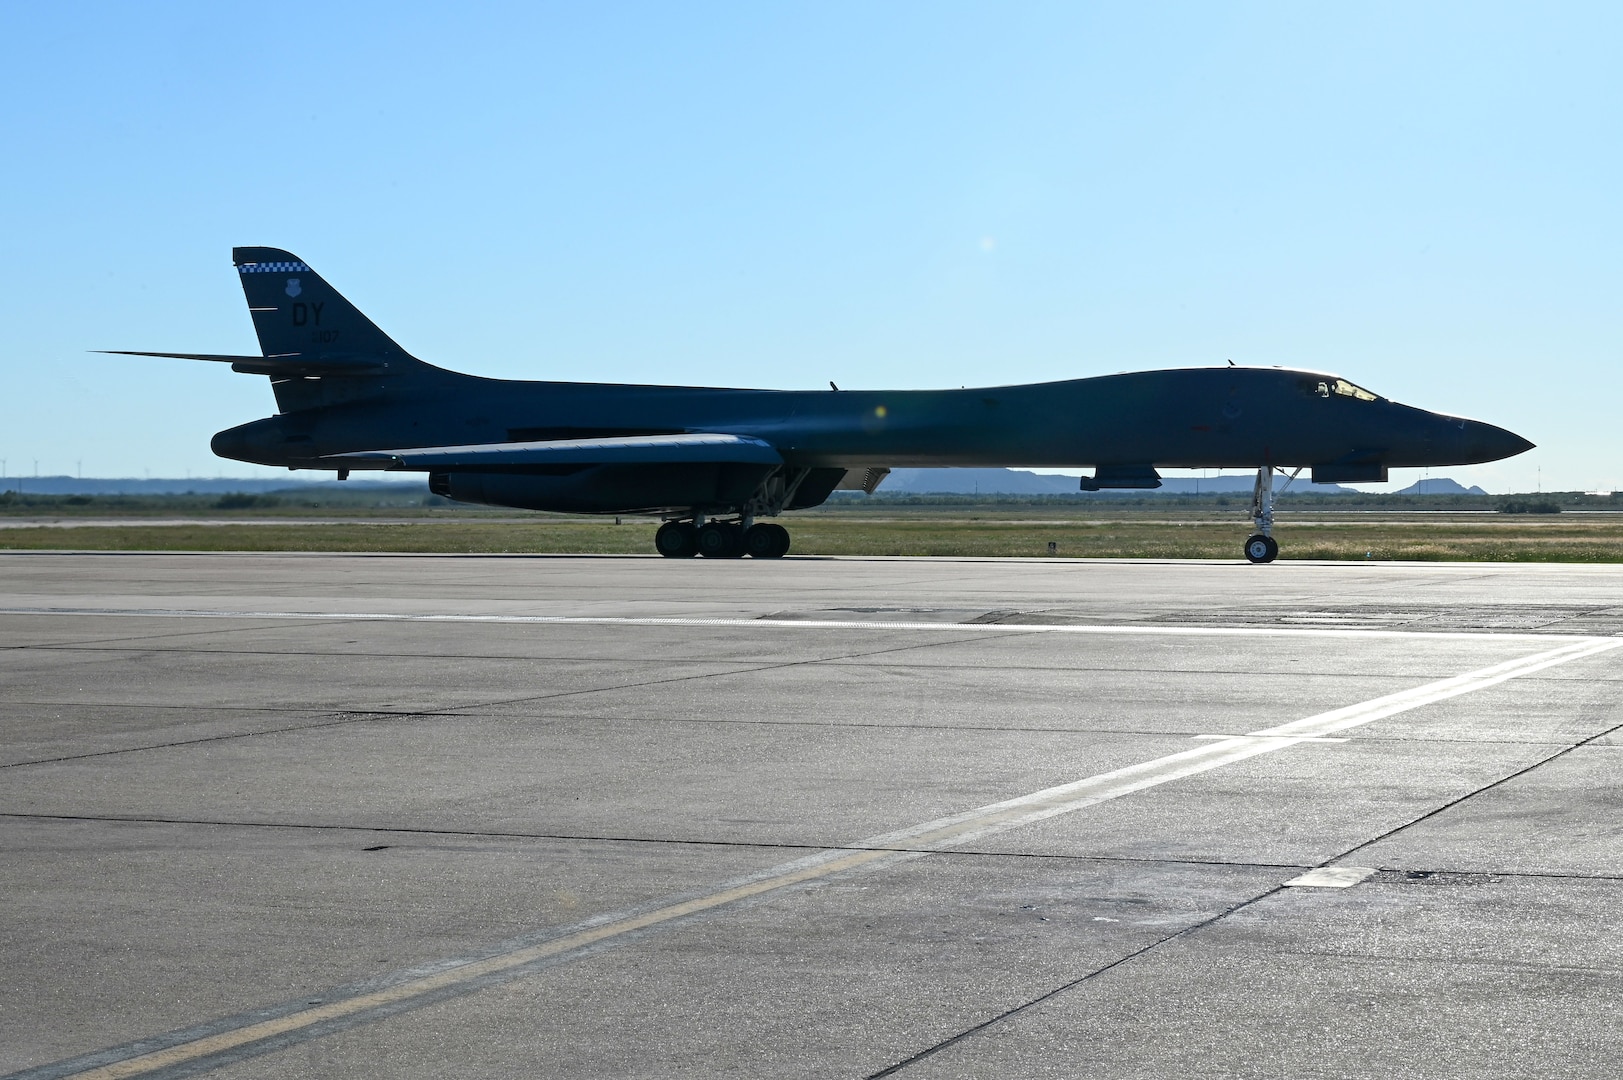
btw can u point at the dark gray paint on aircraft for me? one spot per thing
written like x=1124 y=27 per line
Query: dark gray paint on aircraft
x=350 y=398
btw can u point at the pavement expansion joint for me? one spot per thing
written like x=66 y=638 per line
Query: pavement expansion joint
x=1517 y=774
x=341 y=720
x=1405 y=876
x=1074 y=984
x=675 y=841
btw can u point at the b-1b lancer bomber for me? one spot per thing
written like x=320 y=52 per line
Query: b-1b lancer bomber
x=714 y=462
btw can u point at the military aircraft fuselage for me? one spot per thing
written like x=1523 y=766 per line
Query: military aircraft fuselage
x=1217 y=417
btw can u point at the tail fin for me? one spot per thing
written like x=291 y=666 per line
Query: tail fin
x=298 y=315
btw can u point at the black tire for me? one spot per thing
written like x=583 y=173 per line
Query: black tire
x=675 y=540
x=1273 y=549
x=719 y=541
x=760 y=541
x=1260 y=548
x=766 y=541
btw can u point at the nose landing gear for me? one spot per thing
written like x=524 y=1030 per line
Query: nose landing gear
x=1261 y=547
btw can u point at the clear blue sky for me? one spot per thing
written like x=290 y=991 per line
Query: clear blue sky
x=1421 y=197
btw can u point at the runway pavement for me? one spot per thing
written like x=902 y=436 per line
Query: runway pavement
x=437 y=816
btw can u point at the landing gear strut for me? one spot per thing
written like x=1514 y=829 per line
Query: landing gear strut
x=721 y=539
x=1261 y=547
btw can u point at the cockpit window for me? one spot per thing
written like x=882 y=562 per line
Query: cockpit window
x=1324 y=388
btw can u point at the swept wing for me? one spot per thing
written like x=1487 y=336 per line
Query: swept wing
x=699 y=448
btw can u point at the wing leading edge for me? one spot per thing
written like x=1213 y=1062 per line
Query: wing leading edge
x=700 y=448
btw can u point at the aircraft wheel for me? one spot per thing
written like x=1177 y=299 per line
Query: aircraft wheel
x=719 y=541
x=766 y=541
x=676 y=540
x=1261 y=549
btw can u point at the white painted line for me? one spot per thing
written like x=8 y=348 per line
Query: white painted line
x=1355 y=715
x=872 y=853
x=1303 y=739
x=1331 y=877
x=768 y=623
x=1112 y=785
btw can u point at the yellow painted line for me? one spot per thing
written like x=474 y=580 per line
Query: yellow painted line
x=906 y=843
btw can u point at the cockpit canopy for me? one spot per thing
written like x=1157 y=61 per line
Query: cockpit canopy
x=1328 y=386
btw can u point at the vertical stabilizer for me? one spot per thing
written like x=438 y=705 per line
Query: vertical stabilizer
x=296 y=313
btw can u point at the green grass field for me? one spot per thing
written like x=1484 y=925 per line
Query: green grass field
x=1424 y=537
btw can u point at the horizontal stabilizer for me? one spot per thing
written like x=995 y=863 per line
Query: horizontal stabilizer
x=287 y=365
x=698 y=448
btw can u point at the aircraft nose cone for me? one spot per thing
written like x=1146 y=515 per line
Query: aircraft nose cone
x=1485 y=442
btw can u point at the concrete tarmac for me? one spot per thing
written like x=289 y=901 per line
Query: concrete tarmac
x=437 y=816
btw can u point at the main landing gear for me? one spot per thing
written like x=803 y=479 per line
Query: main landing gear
x=1261 y=547
x=721 y=539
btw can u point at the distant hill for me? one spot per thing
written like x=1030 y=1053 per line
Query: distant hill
x=1441 y=485
x=1024 y=482
x=73 y=485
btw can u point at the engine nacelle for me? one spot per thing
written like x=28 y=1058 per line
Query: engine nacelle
x=608 y=489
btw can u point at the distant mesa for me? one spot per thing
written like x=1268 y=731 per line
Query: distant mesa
x=1442 y=485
